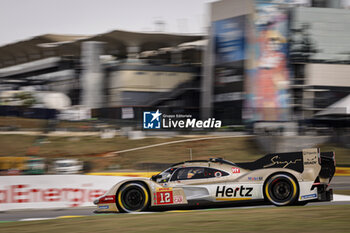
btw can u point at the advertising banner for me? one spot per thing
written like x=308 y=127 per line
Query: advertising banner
x=229 y=40
x=267 y=80
x=52 y=191
x=229 y=45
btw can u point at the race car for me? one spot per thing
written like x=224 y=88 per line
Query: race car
x=293 y=178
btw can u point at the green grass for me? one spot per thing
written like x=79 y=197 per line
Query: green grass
x=90 y=147
x=27 y=123
x=287 y=219
x=23 y=123
x=238 y=149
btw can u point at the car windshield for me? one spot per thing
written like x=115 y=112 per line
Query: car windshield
x=191 y=173
x=165 y=175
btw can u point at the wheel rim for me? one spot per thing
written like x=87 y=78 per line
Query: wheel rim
x=281 y=190
x=133 y=199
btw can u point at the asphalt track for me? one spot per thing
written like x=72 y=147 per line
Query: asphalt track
x=338 y=183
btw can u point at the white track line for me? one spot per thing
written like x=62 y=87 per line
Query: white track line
x=35 y=219
x=174 y=142
x=337 y=197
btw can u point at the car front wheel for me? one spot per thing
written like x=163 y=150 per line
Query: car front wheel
x=132 y=197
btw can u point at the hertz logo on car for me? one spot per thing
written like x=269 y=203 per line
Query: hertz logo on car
x=222 y=191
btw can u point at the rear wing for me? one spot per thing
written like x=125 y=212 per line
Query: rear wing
x=296 y=161
x=290 y=160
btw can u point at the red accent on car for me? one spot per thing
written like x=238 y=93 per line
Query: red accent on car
x=236 y=170
x=274 y=180
x=107 y=199
x=164 y=197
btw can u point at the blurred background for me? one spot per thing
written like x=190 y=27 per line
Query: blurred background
x=276 y=73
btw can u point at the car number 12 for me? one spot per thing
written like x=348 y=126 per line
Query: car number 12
x=164 y=197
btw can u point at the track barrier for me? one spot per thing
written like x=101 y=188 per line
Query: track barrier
x=52 y=191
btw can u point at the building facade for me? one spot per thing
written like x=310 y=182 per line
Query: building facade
x=320 y=58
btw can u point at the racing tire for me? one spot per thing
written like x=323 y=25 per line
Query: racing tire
x=132 y=197
x=281 y=190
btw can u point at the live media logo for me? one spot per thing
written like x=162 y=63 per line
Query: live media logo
x=152 y=120
x=157 y=120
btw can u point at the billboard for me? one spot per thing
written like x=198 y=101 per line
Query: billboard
x=229 y=49
x=229 y=40
x=52 y=191
x=267 y=79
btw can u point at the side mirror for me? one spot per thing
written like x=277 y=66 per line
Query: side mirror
x=155 y=177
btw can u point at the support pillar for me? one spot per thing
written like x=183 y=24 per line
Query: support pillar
x=92 y=83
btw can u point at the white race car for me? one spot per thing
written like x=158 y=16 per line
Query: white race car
x=282 y=179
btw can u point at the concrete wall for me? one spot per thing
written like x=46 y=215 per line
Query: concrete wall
x=329 y=29
x=123 y=83
x=228 y=9
x=327 y=74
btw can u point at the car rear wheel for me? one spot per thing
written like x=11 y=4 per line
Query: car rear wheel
x=281 y=190
x=132 y=197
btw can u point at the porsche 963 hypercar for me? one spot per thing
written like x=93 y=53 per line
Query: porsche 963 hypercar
x=293 y=178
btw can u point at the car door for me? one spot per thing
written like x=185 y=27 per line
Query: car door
x=198 y=183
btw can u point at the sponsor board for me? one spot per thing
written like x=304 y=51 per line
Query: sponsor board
x=52 y=191
x=25 y=193
x=268 y=77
